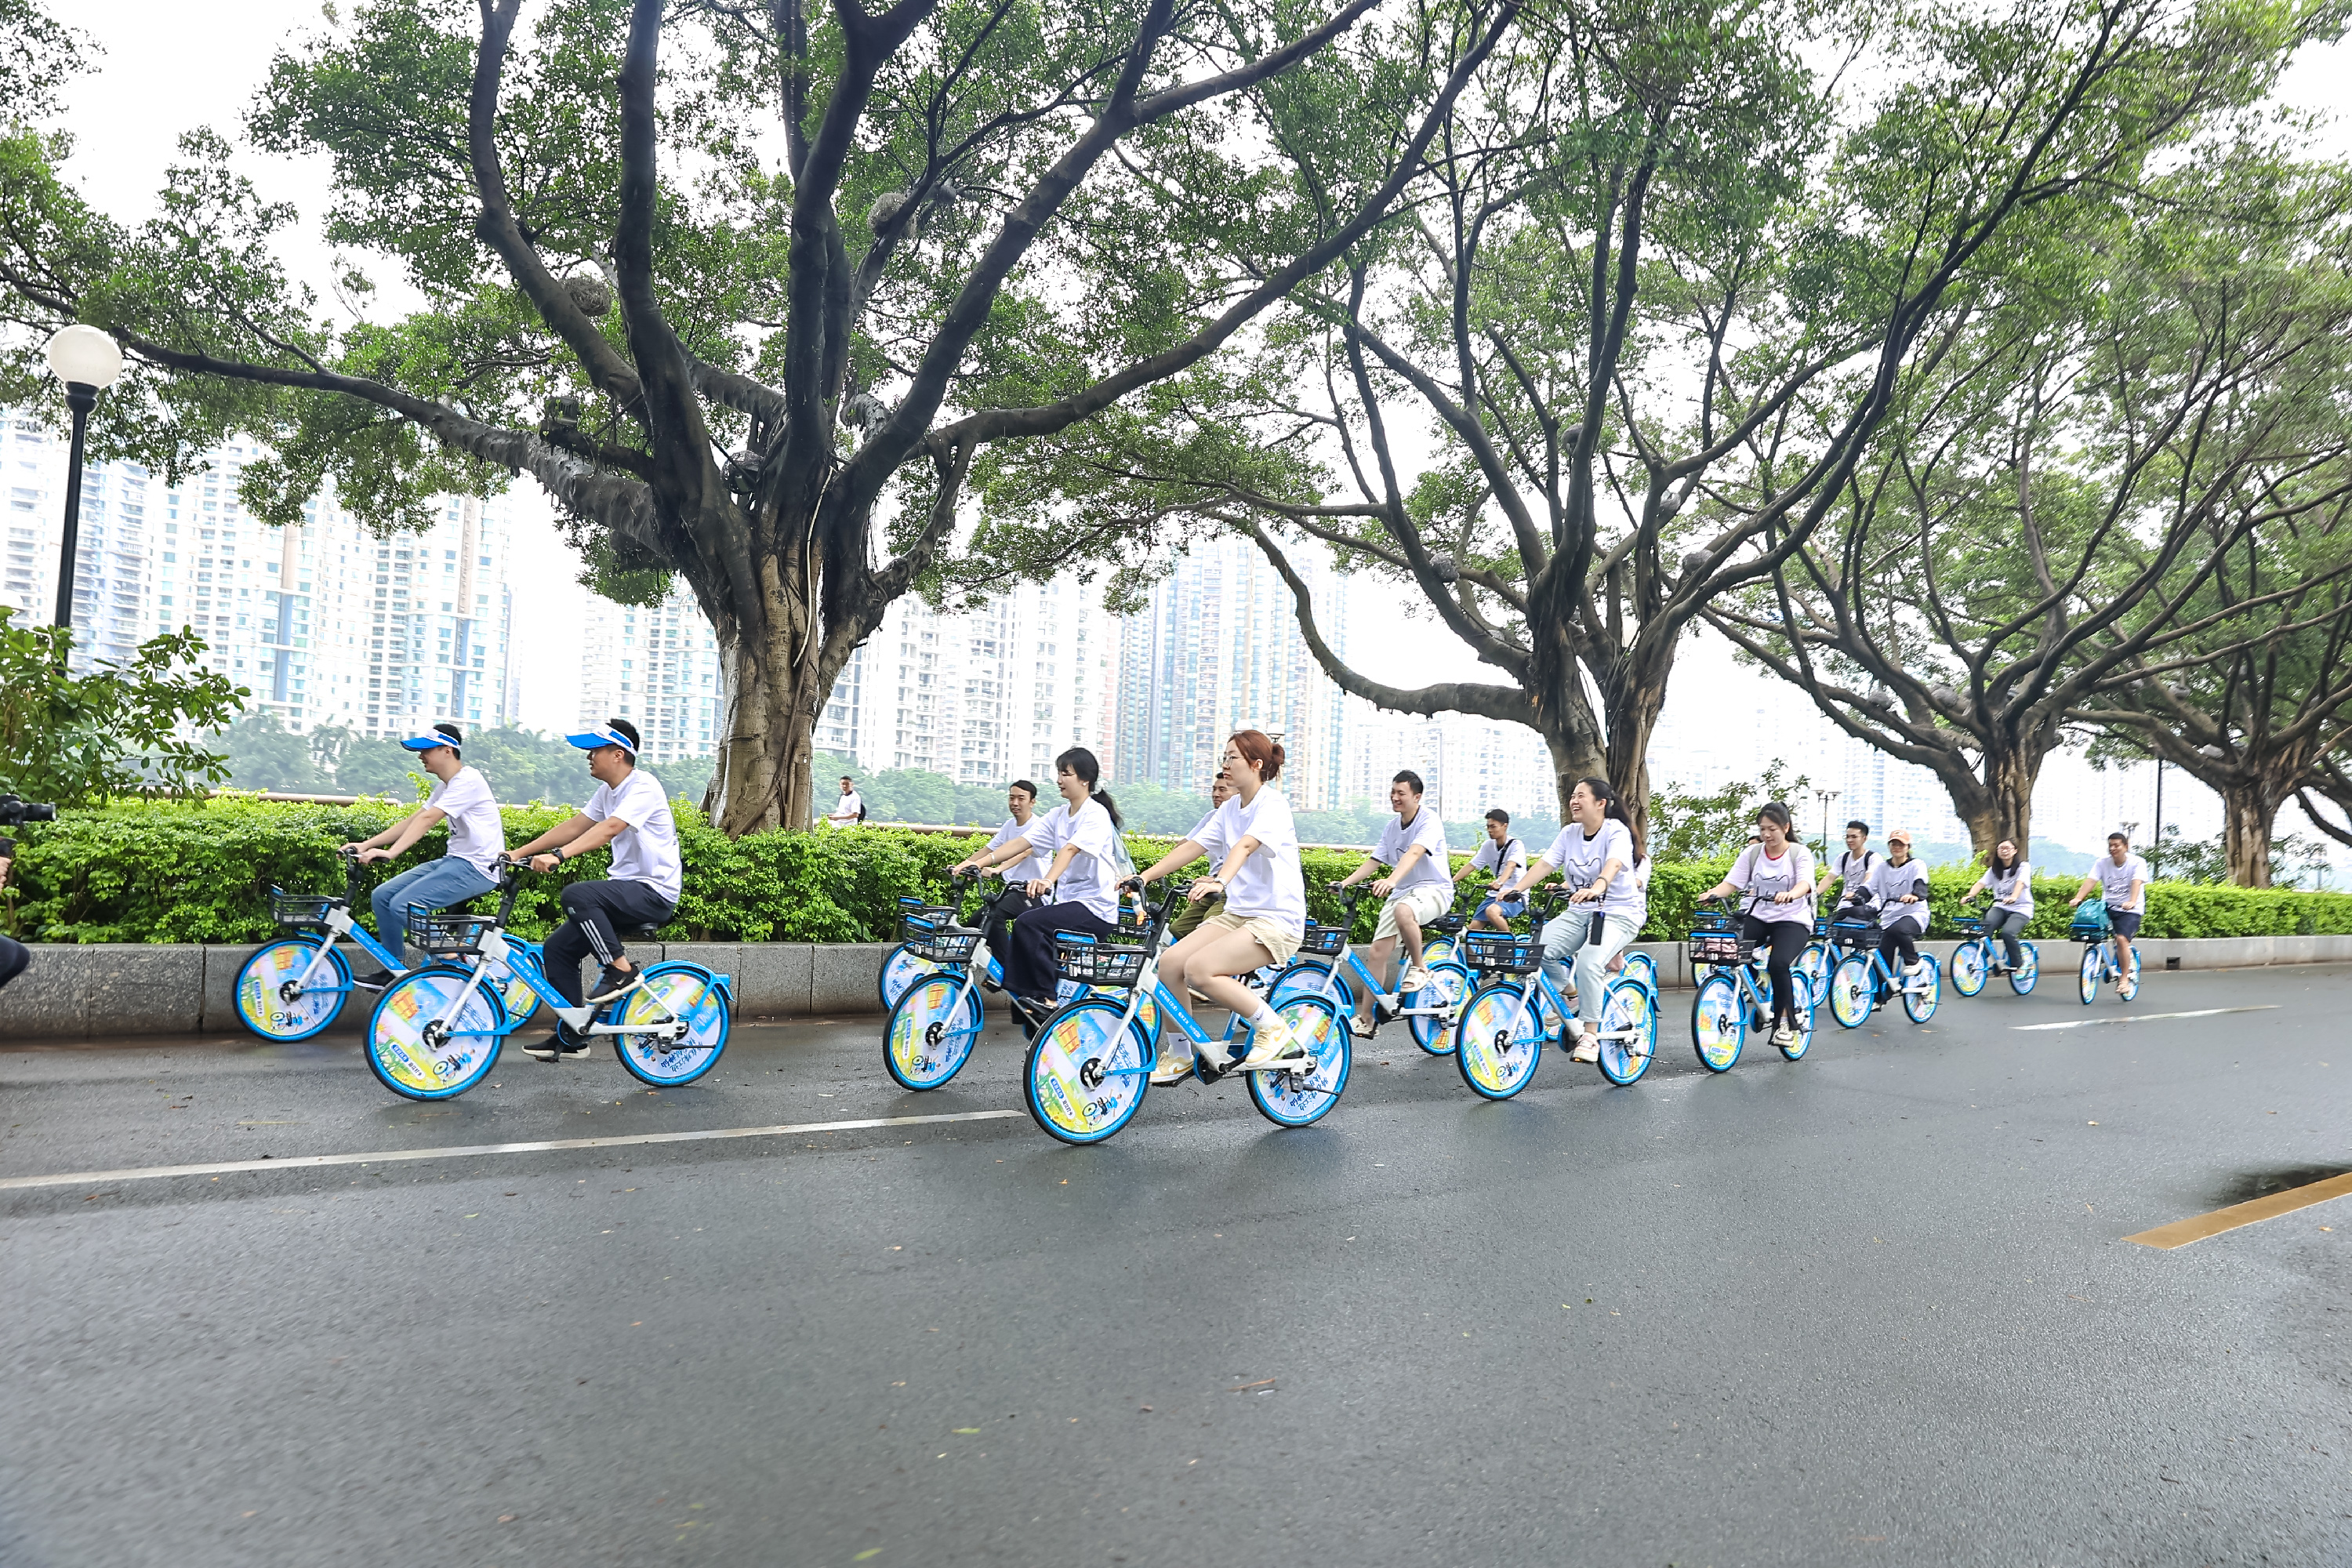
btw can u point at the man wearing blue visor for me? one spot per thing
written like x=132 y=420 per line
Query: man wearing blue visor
x=629 y=812
x=461 y=797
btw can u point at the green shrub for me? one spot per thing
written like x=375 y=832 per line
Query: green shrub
x=147 y=871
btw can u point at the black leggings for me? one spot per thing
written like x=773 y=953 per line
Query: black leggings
x=1788 y=939
x=1902 y=939
x=1029 y=967
x=997 y=919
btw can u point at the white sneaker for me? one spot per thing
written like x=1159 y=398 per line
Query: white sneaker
x=1272 y=1044
x=1172 y=1067
x=1588 y=1050
x=1414 y=979
x=1784 y=1036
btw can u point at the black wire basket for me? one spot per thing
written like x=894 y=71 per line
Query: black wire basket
x=306 y=911
x=1091 y=963
x=1969 y=925
x=1498 y=952
x=1858 y=935
x=1324 y=941
x=1717 y=947
x=441 y=932
x=937 y=939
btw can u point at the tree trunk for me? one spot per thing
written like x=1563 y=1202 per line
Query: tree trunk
x=770 y=706
x=1633 y=714
x=2247 y=813
x=2000 y=804
x=1573 y=756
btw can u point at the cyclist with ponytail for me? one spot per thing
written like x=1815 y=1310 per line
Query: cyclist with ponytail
x=1255 y=846
x=1086 y=862
x=1595 y=854
x=1777 y=874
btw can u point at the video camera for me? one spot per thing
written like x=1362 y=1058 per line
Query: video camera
x=15 y=811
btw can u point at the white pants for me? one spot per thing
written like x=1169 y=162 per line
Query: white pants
x=1590 y=958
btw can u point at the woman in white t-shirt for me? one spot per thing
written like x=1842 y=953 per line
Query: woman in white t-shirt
x=1265 y=914
x=1777 y=874
x=2009 y=878
x=1088 y=862
x=1595 y=854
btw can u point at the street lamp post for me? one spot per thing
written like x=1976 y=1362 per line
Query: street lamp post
x=1825 y=797
x=87 y=361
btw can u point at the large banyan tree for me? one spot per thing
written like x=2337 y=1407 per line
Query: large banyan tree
x=748 y=291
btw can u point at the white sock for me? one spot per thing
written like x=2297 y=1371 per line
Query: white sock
x=1263 y=1016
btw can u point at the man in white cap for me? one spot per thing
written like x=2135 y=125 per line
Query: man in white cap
x=478 y=836
x=630 y=813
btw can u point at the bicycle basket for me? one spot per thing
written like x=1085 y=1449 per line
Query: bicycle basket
x=439 y=932
x=1969 y=925
x=1717 y=947
x=1324 y=942
x=1498 y=953
x=938 y=938
x=302 y=910
x=1091 y=963
x=1709 y=919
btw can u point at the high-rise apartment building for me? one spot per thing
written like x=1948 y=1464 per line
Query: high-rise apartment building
x=658 y=669
x=1467 y=764
x=323 y=622
x=1218 y=649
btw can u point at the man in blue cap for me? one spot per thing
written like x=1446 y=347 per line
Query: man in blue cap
x=629 y=812
x=478 y=836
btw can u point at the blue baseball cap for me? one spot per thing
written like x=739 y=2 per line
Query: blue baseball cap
x=429 y=739
x=593 y=739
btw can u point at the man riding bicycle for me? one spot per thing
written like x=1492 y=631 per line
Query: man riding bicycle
x=1418 y=890
x=478 y=836
x=2121 y=882
x=629 y=812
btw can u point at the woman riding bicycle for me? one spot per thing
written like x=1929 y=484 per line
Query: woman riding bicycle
x=1088 y=861
x=2009 y=878
x=1777 y=873
x=1595 y=854
x=1266 y=907
x=1899 y=883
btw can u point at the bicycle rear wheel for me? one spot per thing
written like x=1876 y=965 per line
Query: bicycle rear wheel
x=900 y=969
x=1851 y=997
x=1642 y=967
x=419 y=1048
x=1629 y=1031
x=1921 y=1003
x=1968 y=968
x=675 y=990
x=1796 y=1048
x=931 y=1030
x=263 y=980
x=1813 y=966
x=1302 y=977
x=1085 y=1077
x=2022 y=978
x=1295 y=1099
x=1449 y=985
x=2128 y=985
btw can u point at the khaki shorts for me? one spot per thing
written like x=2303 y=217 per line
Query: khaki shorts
x=1426 y=903
x=1278 y=940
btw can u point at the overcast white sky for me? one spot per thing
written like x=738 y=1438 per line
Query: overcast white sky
x=171 y=67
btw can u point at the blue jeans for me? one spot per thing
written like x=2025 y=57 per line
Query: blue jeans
x=435 y=885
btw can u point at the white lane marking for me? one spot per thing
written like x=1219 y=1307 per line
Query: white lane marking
x=2151 y=1018
x=397 y=1156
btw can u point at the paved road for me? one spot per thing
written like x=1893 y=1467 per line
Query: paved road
x=1873 y=1308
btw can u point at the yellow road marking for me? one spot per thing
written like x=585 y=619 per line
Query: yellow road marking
x=2197 y=1227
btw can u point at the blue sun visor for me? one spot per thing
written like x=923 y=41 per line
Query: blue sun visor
x=595 y=737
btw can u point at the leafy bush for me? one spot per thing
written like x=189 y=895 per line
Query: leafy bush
x=143 y=870
x=75 y=740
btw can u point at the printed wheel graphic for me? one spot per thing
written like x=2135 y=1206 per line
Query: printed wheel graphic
x=417 y=1051
x=1719 y=1023
x=1449 y=984
x=2128 y=985
x=1085 y=1077
x=1968 y=968
x=1499 y=1041
x=932 y=1029
x=263 y=980
x=1851 y=997
x=2022 y=978
x=1295 y=1099
x=900 y=969
x=1921 y=1003
x=1795 y=1049
x=1642 y=967
x=2086 y=980
x=685 y=990
x=1631 y=1008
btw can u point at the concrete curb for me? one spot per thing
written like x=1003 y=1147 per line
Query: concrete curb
x=106 y=991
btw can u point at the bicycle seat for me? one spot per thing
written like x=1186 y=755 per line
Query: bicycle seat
x=647 y=933
x=1449 y=923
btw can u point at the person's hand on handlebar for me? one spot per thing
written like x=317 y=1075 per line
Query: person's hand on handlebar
x=1791 y=897
x=544 y=864
x=365 y=857
x=1585 y=895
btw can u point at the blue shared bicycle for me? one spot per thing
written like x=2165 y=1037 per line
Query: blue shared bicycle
x=1089 y=1065
x=1866 y=979
x=292 y=986
x=1980 y=957
x=1514 y=1011
x=1734 y=999
x=2091 y=928
x=1325 y=962
x=437 y=1029
x=939 y=1011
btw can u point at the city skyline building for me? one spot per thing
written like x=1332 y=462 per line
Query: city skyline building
x=657 y=666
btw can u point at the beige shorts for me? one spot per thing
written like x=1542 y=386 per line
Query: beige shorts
x=1278 y=940
x=1426 y=903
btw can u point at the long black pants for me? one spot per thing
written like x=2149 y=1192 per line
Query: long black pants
x=1788 y=939
x=599 y=912
x=2009 y=925
x=1902 y=939
x=13 y=956
x=1029 y=969
x=997 y=919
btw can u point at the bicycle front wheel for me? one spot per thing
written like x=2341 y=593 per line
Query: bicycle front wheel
x=2086 y=980
x=1449 y=984
x=1085 y=1076
x=422 y=1046
x=1850 y=992
x=1499 y=1040
x=1296 y=1098
x=2022 y=978
x=931 y=1030
x=1718 y=1021
x=677 y=990
x=1629 y=1031
x=267 y=1001
x=1968 y=968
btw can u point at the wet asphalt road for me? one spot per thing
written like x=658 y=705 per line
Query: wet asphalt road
x=1873 y=1308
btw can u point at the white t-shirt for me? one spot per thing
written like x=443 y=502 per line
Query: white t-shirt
x=1269 y=884
x=2115 y=883
x=846 y=810
x=1503 y=859
x=1888 y=882
x=1853 y=870
x=1433 y=869
x=1759 y=876
x=477 y=834
x=1209 y=835
x=647 y=850
x=1580 y=860
x=1027 y=871
x=1642 y=868
x=1092 y=876
x=2011 y=889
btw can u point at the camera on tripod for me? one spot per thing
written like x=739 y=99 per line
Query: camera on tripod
x=15 y=811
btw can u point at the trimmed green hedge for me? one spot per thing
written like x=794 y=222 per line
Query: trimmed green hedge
x=178 y=871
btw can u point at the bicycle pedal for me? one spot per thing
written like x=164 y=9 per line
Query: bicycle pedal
x=1307 y=1067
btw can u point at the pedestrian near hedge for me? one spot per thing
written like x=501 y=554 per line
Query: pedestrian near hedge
x=2009 y=878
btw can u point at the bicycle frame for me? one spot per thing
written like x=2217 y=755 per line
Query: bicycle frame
x=1343 y=999
x=1171 y=1007
x=339 y=923
x=1553 y=905
x=528 y=967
